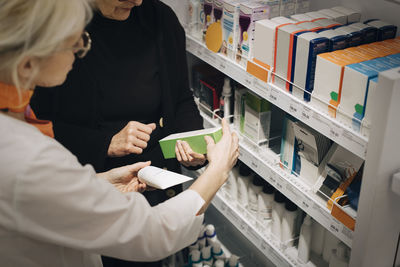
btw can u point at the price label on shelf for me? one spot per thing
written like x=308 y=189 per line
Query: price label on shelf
x=322 y=215
x=222 y=64
x=305 y=114
x=272 y=178
x=248 y=80
x=210 y=57
x=261 y=86
x=280 y=184
x=335 y=226
x=335 y=132
x=293 y=191
x=306 y=203
x=294 y=108
x=274 y=95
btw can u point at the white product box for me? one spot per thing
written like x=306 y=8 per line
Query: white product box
x=288 y=8
x=287 y=145
x=310 y=26
x=334 y=15
x=354 y=35
x=283 y=53
x=327 y=23
x=264 y=43
x=356 y=79
x=283 y=20
x=300 y=17
x=385 y=30
x=310 y=157
x=352 y=15
x=302 y=6
x=230 y=27
x=369 y=33
x=328 y=80
x=366 y=122
x=337 y=41
x=309 y=45
x=317 y=15
x=250 y=12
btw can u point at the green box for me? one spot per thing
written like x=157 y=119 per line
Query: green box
x=194 y=138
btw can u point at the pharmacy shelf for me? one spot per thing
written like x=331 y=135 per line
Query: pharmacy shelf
x=323 y=123
x=266 y=164
x=245 y=226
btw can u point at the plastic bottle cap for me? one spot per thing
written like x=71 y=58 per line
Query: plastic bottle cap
x=258 y=180
x=290 y=206
x=233 y=260
x=279 y=197
x=268 y=189
x=210 y=230
x=219 y=263
x=244 y=170
x=226 y=89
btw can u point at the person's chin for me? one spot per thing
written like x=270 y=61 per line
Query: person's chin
x=122 y=13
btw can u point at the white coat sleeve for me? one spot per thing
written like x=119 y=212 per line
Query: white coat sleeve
x=56 y=200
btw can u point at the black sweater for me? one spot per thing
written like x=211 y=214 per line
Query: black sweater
x=136 y=70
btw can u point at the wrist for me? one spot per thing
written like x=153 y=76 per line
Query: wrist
x=218 y=171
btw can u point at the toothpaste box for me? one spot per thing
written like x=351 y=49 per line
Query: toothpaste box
x=288 y=8
x=230 y=27
x=337 y=41
x=355 y=38
x=352 y=15
x=369 y=33
x=385 y=30
x=285 y=41
x=300 y=17
x=327 y=23
x=334 y=15
x=250 y=12
x=309 y=45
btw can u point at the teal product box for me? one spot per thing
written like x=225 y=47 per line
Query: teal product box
x=195 y=139
x=337 y=40
x=287 y=144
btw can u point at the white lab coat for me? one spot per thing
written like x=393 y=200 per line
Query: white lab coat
x=54 y=212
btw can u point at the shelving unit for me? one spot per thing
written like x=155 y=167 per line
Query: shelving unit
x=267 y=166
x=337 y=132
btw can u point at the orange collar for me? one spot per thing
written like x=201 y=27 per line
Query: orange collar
x=19 y=103
x=11 y=100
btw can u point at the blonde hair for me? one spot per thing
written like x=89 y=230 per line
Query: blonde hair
x=36 y=28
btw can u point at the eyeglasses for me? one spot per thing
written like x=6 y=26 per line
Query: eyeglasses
x=82 y=47
x=85 y=43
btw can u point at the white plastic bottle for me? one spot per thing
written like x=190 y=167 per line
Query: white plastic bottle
x=206 y=256
x=305 y=240
x=230 y=187
x=288 y=223
x=242 y=184
x=219 y=263
x=226 y=100
x=254 y=189
x=277 y=213
x=201 y=239
x=317 y=238
x=195 y=258
x=233 y=261
x=330 y=243
x=217 y=251
x=265 y=203
x=210 y=234
x=340 y=257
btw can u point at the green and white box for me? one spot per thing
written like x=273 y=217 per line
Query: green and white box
x=195 y=139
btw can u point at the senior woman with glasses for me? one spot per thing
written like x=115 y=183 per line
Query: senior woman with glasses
x=54 y=211
x=130 y=91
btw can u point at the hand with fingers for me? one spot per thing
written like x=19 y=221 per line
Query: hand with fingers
x=132 y=139
x=186 y=156
x=125 y=178
x=225 y=153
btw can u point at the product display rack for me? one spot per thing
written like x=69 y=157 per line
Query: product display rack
x=330 y=127
x=267 y=166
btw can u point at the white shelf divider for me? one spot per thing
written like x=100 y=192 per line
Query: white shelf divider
x=323 y=123
x=267 y=166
